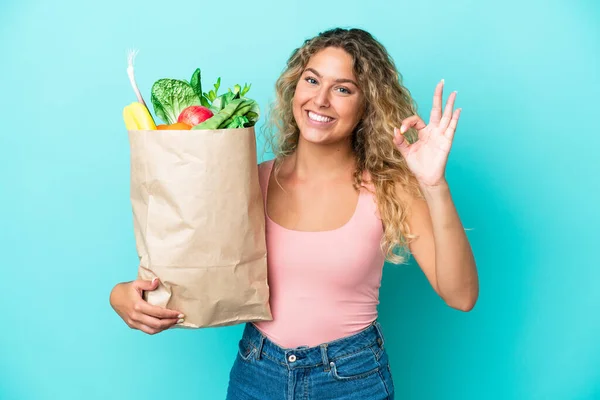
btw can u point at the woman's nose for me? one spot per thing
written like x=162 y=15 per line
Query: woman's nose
x=322 y=98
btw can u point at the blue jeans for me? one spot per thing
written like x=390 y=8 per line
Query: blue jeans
x=354 y=367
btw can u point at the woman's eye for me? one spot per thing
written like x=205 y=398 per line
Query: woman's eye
x=310 y=80
x=344 y=90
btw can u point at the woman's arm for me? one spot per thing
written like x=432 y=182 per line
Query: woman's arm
x=442 y=249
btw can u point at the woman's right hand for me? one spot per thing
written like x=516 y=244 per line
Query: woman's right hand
x=126 y=299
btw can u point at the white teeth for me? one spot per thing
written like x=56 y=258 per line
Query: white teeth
x=318 y=118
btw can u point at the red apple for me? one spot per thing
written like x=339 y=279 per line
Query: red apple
x=193 y=115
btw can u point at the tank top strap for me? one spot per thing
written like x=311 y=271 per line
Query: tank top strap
x=369 y=191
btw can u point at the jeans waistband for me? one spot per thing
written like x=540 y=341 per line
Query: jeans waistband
x=323 y=354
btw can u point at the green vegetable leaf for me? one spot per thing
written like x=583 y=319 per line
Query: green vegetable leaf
x=204 y=101
x=212 y=95
x=221 y=102
x=254 y=113
x=241 y=110
x=245 y=89
x=237 y=122
x=159 y=110
x=170 y=97
x=217 y=120
x=252 y=118
x=196 y=82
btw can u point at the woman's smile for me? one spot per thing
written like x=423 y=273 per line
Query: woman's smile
x=319 y=120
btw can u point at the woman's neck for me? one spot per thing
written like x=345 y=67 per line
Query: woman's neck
x=315 y=161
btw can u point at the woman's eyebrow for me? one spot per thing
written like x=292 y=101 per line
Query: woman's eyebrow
x=314 y=71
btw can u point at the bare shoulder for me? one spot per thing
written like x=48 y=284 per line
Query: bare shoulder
x=263 y=173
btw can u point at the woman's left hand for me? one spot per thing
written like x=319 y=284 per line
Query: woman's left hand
x=427 y=157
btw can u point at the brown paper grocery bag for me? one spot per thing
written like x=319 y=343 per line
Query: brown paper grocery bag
x=199 y=224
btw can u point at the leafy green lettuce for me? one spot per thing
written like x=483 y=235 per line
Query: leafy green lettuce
x=170 y=97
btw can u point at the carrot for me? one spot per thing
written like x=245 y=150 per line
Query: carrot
x=177 y=126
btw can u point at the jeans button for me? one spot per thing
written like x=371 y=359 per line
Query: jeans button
x=291 y=358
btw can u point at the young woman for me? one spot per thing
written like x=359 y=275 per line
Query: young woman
x=348 y=189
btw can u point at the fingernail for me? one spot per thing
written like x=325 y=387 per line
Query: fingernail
x=180 y=320
x=154 y=280
x=180 y=316
x=442 y=81
x=402 y=129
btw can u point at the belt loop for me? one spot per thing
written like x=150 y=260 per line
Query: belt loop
x=260 y=347
x=379 y=330
x=324 y=357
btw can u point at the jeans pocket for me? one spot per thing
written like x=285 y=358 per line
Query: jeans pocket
x=355 y=366
x=246 y=350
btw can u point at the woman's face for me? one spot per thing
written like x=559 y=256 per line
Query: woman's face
x=327 y=102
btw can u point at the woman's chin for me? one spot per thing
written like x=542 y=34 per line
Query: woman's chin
x=317 y=136
x=320 y=137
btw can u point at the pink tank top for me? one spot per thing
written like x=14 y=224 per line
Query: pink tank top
x=323 y=285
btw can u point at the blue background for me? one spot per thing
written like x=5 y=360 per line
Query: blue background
x=523 y=172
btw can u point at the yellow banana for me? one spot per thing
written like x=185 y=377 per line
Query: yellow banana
x=137 y=117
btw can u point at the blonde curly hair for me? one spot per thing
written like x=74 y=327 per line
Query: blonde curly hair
x=388 y=102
